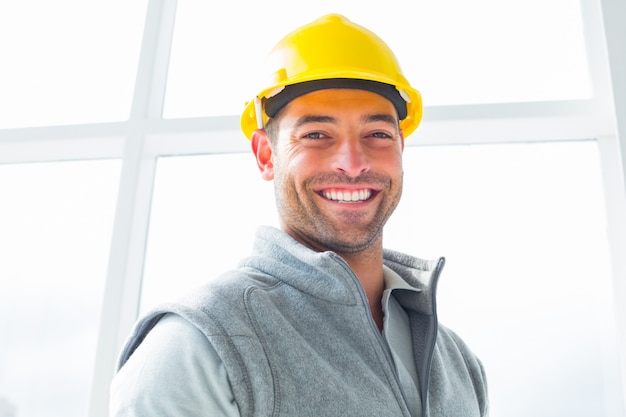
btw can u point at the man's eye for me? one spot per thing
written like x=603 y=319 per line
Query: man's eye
x=313 y=135
x=381 y=135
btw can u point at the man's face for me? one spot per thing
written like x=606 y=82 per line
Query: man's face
x=337 y=168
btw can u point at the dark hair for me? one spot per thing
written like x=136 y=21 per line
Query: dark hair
x=271 y=128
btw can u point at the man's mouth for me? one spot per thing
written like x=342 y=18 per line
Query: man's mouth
x=347 y=196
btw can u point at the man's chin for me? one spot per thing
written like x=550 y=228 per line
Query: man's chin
x=351 y=241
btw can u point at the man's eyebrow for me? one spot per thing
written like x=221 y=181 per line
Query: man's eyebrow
x=381 y=118
x=314 y=119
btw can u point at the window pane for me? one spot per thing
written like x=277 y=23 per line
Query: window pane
x=453 y=51
x=68 y=61
x=527 y=281
x=56 y=221
x=204 y=214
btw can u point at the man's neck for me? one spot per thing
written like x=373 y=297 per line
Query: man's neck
x=368 y=267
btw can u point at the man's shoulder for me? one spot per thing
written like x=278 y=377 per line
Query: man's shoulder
x=222 y=299
x=454 y=352
x=216 y=308
x=458 y=376
x=448 y=339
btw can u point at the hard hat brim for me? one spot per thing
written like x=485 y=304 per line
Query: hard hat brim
x=274 y=104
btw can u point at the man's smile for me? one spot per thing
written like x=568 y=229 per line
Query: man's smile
x=347 y=195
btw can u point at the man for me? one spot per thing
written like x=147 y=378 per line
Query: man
x=320 y=320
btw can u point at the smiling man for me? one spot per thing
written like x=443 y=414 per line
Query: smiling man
x=320 y=320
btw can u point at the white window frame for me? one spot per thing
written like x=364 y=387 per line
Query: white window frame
x=145 y=136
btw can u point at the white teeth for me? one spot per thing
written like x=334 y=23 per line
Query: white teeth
x=360 y=195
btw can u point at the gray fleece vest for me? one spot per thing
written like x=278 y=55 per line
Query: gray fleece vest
x=294 y=330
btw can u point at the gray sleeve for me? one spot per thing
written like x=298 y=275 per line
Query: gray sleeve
x=174 y=372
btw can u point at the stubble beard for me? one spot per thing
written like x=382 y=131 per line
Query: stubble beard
x=348 y=233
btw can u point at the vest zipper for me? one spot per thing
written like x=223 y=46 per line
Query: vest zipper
x=374 y=327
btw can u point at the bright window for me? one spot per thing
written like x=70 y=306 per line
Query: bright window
x=527 y=281
x=56 y=224
x=68 y=61
x=204 y=213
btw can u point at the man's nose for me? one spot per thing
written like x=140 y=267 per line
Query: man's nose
x=351 y=158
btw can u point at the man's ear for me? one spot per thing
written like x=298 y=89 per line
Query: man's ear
x=263 y=152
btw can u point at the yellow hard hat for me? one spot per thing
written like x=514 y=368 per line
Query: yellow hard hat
x=332 y=52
